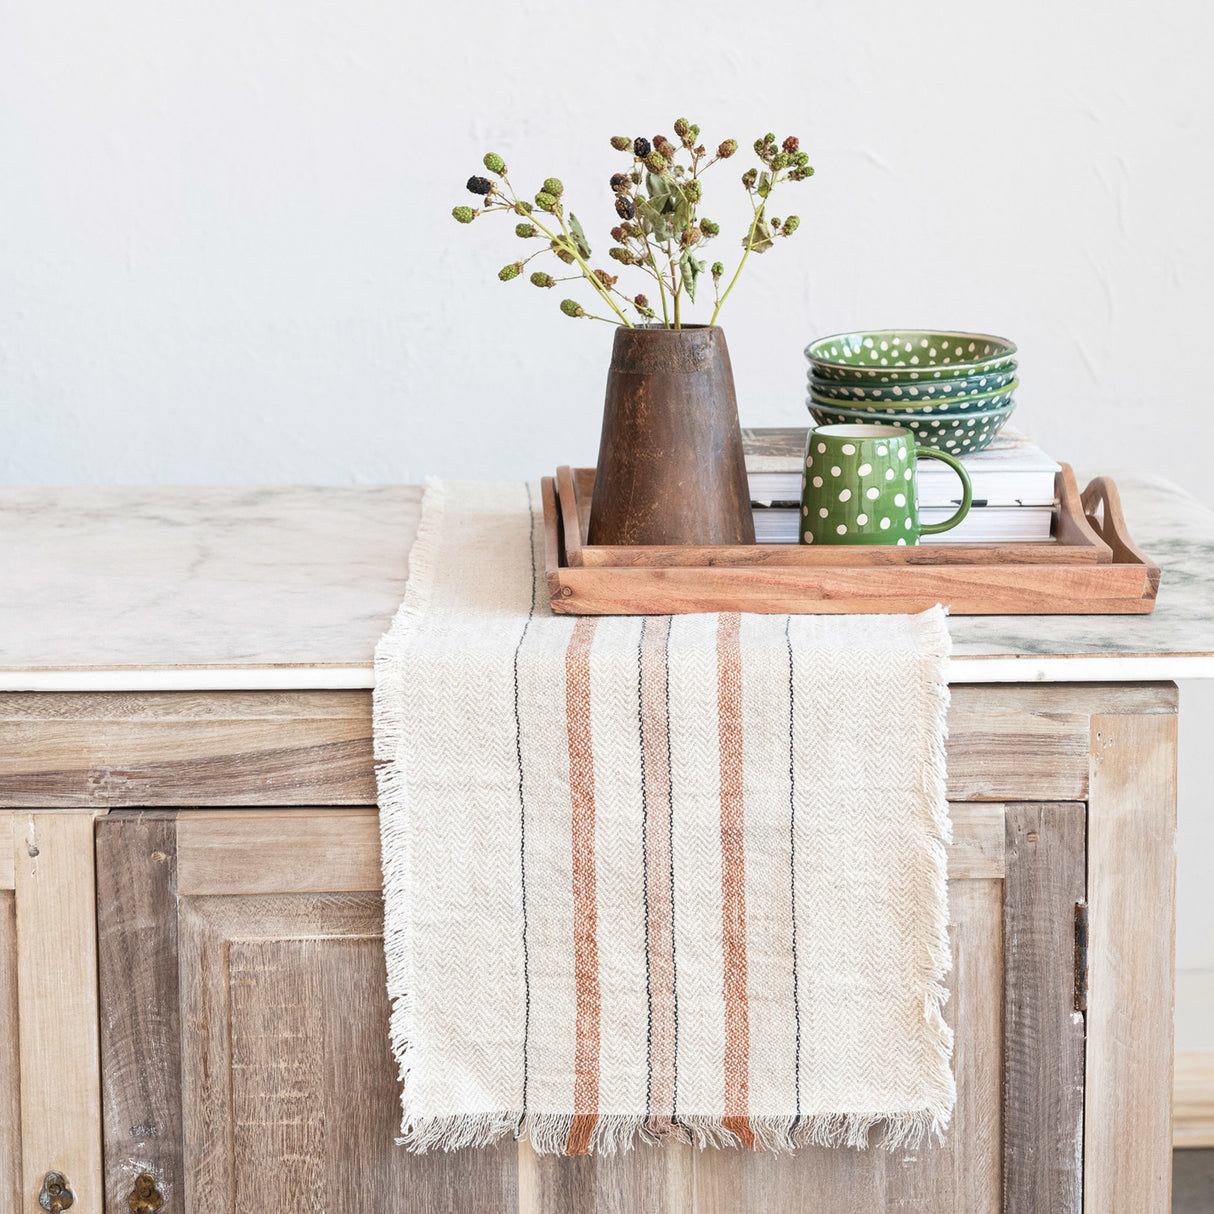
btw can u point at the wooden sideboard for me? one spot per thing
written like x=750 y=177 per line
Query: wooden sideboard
x=192 y=990
x=191 y=973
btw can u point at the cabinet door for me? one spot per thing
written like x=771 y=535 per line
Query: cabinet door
x=245 y=1054
x=246 y=1060
x=49 y=1072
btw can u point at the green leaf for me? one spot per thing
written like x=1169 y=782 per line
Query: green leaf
x=764 y=186
x=659 y=191
x=652 y=219
x=692 y=269
x=583 y=246
x=762 y=237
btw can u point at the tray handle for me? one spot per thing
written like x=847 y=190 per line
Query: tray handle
x=1102 y=508
x=570 y=523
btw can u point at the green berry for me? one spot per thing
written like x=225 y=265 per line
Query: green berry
x=494 y=163
x=681 y=127
x=524 y=230
x=523 y=208
x=540 y=279
x=571 y=307
x=780 y=160
x=717 y=269
x=621 y=143
x=694 y=191
x=709 y=228
x=545 y=201
x=463 y=214
x=791 y=224
x=513 y=270
x=553 y=186
x=656 y=161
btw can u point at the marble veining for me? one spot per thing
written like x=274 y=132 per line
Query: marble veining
x=309 y=576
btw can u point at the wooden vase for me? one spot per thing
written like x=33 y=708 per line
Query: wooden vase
x=671 y=468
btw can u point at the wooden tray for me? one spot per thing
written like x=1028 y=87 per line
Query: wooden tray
x=1090 y=567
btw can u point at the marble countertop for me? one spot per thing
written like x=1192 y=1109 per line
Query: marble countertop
x=290 y=587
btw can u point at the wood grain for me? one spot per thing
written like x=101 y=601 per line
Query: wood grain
x=289 y=1088
x=1193 y=1100
x=303 y=851
x=183 y=748
x=57 y=1004
x=1044 y=1034
x=859 y=556
x=976 y=1012
x=1116 y=589
x=140 y=1025
x=278 y=851
x=109 y=749
x=643 y=1179
x=10 y=1057
x=8 y=870
x=1131 y=895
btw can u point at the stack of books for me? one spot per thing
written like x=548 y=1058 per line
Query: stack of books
x=1013 y=485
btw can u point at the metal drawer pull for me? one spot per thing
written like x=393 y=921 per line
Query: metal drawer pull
x=145 y=1197
x=56 y=1195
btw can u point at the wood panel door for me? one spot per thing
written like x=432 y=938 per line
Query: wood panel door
x=245 y=1048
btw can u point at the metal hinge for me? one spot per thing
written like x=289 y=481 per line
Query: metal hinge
x=1081 y=956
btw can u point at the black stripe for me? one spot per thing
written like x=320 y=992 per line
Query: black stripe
x=792 y=862
x=645 y=869
x=674 y=964
x=522 y=808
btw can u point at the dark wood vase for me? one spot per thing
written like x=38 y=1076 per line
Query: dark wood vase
x=671 y=468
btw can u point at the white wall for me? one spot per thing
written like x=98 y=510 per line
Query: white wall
x=226 y=253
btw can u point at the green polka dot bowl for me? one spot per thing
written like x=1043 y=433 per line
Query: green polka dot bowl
x=950 y=406
x=892 y=356
x=915 y=392
x=962 y=434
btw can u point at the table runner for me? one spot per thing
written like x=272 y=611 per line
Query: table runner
x=651 y=876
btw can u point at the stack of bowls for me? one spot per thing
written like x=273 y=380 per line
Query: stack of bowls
x=953 y=391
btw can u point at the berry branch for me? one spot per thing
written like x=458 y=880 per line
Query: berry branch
x=657 y=199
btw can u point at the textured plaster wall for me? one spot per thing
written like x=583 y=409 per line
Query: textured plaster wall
x=227 y=256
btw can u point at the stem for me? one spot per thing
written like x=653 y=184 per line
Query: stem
x=750 y=240
x=587 y=272
x=654 y=271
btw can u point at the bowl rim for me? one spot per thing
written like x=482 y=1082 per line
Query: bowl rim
x=919 y=406
x=1011 y=369
x=958 y=418
x=1010 y=348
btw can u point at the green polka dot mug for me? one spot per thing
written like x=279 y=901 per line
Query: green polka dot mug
x=858 y=487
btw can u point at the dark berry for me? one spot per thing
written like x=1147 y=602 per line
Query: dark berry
x=617 y=180
x=624 y=208
x=640 y=147
x=479 y=185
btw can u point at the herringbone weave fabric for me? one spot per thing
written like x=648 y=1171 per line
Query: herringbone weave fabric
x=650 y=876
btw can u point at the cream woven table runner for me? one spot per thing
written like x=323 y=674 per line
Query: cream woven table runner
x=655 y=875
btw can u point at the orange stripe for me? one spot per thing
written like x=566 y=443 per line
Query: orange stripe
x=585 y=908
x=733 y=878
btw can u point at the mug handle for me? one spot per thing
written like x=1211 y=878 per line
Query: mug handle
x=955 y=464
